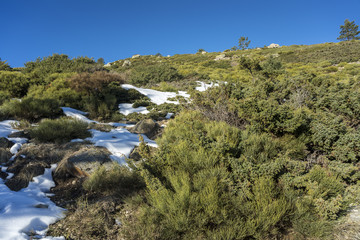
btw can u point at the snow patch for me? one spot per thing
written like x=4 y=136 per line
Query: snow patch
x=77 y=114
x=155 y=96
x=20 y=213
x=204 y=86
x=120 y=142
x=126 y=109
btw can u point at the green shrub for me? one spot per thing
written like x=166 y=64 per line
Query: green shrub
x=119 y=180
x=32 y=109
x=141 y=103
x=15 y=83
x=4 y=95
x=4 y=66
x=60 y=130
x=152 y=74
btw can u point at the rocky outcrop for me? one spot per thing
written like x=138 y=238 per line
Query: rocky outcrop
x=221 y=57
x=274 y=45
x=20 y=134
x=5 y=155
x=5 y=143
x=25 y=173
x=136 y=56
x=126 y=63
x=32 y=159
x=82 y=163
x=147 y=127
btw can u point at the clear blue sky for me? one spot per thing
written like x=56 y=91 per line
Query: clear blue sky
x=117 y=29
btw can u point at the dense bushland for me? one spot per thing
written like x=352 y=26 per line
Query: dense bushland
x=271 y=153
x=209 y=180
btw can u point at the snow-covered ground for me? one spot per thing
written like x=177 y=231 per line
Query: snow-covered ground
x=126 y=109
x=28 y=210
x=204 y=86
x=77 y=114
x=120 y=142
x=157 y=97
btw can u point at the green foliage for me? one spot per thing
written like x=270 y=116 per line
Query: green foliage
x=4 y=95
x=60 y=130
x=4 y=66
x=349 y=31
x=119 y=180
x=347 y=148
x=151 y=74
x=31 y=109
x=191 y=189
x=243 y=43
x=95 y=82
x=15 y=83
x=56 y=63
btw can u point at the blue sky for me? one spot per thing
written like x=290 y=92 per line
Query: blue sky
x=117 y=29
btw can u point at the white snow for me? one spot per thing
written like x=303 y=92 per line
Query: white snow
x=121 y=124
x=18 y=212
x=169 y=115
x=77 y=114
x=126 y=109
x=155 y=96
x=120 y=142
x=6 y=129
x=204 y=86
x=30 y=210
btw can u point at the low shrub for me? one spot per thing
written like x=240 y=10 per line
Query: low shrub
x=60 y=130
x=119 y=180
x=143 y=75
x=32 y=109
x=97 y=222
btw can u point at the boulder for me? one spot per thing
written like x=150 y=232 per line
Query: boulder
x=3 y=175
x=220 y=57
x=136 y=56
x=20 y=134
x=22 y=178
x=126 y=63
x=147 y=126
x=5 y=155
x=274 y=45
x=204 y=52
x=82 y=163
x=5 y=143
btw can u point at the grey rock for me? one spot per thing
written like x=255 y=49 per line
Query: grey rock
x=5 y=143
x=274 y=45
x=147 y=127
x=5 y=155
x=20 y=134
x=126 y=63
x=82 y=163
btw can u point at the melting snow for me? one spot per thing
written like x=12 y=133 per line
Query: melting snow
x=30 y=210
x=126 y=109
x=157 y=97
x=20 y=211
x=120 y=142
x=203 y=86
x=70 y=112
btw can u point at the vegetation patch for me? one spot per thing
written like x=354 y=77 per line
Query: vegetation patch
x=60 y=130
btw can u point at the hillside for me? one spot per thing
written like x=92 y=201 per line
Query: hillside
x=248 y=144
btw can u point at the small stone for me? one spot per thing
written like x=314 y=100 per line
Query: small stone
x=41 y=205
